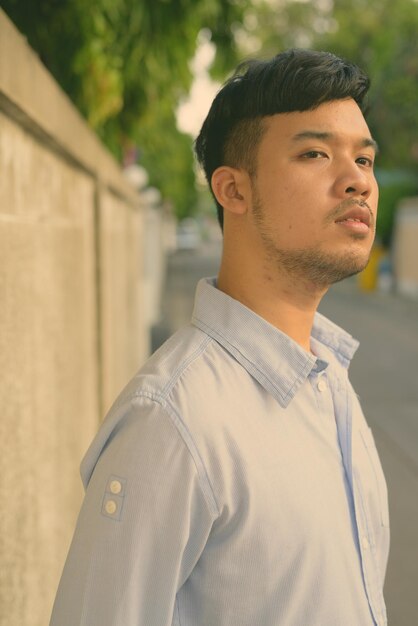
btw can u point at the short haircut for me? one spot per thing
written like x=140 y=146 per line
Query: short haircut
x=294 y=80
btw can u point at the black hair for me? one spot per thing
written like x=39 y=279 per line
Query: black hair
x=294 y=80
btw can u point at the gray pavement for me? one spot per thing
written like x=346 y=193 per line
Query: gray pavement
x=384 y=373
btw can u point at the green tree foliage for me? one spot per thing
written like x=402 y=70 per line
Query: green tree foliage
x=125 y=64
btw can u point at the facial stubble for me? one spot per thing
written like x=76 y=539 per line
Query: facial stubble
x=310 y=264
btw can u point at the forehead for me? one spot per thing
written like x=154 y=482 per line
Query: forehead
x=339 y=120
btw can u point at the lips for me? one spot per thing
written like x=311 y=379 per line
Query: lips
x=357 y=214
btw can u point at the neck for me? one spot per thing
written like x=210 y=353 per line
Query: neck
x=287 y=302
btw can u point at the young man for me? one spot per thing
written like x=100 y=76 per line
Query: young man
x=235 y=481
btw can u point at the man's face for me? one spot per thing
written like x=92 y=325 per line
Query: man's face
x=314 y=192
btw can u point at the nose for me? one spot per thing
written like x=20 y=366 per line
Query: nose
x=353 y=181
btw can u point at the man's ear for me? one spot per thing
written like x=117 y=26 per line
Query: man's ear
x=232 y=189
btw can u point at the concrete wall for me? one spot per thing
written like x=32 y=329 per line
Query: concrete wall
x=73 y=327
x=405 y=255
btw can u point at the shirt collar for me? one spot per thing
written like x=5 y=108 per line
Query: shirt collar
x=277 y=362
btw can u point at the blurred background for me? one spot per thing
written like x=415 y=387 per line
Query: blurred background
x=106 y=225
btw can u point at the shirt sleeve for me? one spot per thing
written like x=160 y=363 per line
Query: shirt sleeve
x=143 y=525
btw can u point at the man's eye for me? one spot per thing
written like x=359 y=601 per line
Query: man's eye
x=314 y=154
x=368 y=162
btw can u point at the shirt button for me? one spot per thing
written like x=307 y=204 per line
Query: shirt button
x=115 y=486
x=322 y=385
x=111 y=507
x=365 y=542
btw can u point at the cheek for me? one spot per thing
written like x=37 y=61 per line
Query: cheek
x=292 y=205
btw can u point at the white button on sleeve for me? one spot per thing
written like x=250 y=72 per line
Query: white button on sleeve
x=111 y=507
x=115 y=486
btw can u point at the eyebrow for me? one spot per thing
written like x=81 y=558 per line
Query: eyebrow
x=365 y=142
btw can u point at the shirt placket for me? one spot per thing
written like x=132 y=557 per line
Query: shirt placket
x=366 y=546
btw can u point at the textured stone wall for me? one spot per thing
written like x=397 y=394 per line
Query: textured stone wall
x=124 y=331
x=72 y=322
x=48 y=361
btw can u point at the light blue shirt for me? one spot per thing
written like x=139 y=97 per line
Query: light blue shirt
x=234 y=482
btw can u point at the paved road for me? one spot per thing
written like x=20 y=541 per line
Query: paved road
x=385 y=375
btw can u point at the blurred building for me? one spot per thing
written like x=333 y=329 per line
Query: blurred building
x=405 y=248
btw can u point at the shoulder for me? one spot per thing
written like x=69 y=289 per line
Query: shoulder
x=190 y=368
x=169 y=399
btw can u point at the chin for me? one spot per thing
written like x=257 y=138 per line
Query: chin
x=347 y=267
x=324 y=270
x=319 y=267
